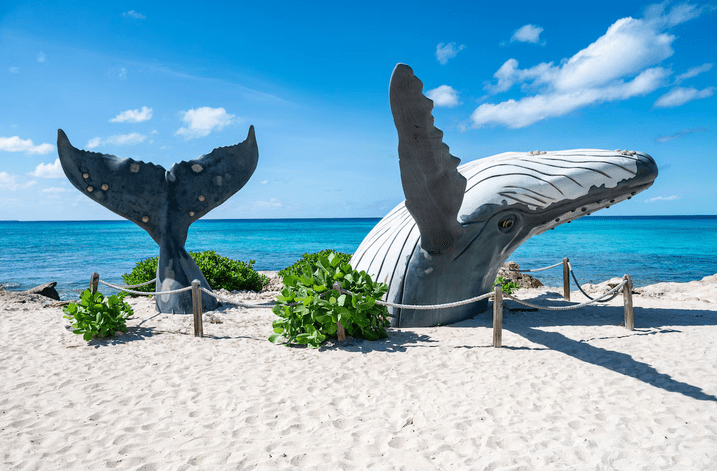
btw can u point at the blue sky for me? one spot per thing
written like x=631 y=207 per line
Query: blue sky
x=163 y=82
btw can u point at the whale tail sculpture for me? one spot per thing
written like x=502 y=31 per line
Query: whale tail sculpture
x=459 y=224
x=163 y=202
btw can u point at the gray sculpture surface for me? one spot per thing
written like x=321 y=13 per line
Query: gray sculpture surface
x=164 y=202
x=459 y=224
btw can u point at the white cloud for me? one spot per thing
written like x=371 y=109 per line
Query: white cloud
x=444 y=95
x=273 y=203
x=15 y=144
x=7 y=182
x=662 y=198
x=694 y=71
x=527 y=34
x=94 y=142
x=133 y=116
x=122 y=74
x=680 y=95
x=41 y=57
x=447 y=51
x=617 y=66
x=14 y=70
x=679 y=134
x=202 y=121
x=118 y=139
x=264 y=182
x=678 y=14
x=53 y=170
x=526 y=111
x=134 y=14
x=54 y=189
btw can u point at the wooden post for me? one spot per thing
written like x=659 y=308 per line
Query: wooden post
x=340 y=332
x=627 y=301
x=566 y=279
x=498 y=317
x=197 y=308
x=94 y=281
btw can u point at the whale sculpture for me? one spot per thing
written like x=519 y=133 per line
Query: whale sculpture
x=459 y=224
x=164 y=202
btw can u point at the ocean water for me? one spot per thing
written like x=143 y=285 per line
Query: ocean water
x=650 y=249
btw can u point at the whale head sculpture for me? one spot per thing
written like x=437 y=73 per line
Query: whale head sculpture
x=163 y=202
x=459 y=224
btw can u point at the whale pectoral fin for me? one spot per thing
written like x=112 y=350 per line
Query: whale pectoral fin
x=133 y=189
x=431 y=183
x=202 y=184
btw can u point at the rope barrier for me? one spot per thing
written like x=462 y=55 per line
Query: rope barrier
x=616 y=289
x=225 y=300
x=142 y=284
x=144 y=293
x=625 y=286
x=425 y=307
x=536 y=269
x=581 y=289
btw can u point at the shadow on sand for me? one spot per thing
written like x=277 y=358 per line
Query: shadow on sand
x=529 y=323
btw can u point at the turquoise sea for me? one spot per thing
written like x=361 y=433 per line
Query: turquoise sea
x=651 y=249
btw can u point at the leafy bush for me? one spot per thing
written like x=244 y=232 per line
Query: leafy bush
x=308 y=260
x=508 y=287
x=92 y=317
x=309 y=308
x=220 y=272
x=142 y=272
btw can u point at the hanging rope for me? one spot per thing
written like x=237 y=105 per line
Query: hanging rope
x=567 y=308
x=143 y=293
x=536 y=269
x=581 y=289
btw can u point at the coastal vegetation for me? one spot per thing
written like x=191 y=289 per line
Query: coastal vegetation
x=309 y=308
x=508 y=287
x=96 y=316
x=220 y=272
x=309 y=259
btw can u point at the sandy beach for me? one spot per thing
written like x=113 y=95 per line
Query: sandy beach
x=569 y=390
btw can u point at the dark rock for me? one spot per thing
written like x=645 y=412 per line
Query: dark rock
x=48 y=290
x=523 y=279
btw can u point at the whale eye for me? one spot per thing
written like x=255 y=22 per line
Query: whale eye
x=506 y=224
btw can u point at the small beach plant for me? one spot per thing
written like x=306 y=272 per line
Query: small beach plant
x=309 y=259
x=97 y=316
x=309 y=308
x=508 y=287
x=220 y=272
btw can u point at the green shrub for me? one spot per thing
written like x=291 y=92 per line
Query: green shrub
x=508 y=287
x=308 y=260
x=220 y=272
x=142 y=272
x=92 y=317
x=309 y=309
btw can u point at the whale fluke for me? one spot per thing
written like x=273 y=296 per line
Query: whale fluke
x=163 y=202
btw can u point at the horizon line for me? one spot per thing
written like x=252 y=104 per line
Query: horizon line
x=701 y=216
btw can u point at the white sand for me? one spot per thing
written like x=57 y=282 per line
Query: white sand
x=569 y=390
